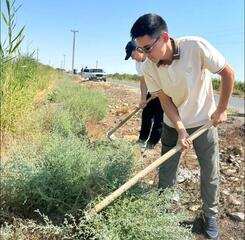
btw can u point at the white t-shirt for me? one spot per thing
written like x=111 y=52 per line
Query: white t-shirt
x=139 y=68
x=188 y=80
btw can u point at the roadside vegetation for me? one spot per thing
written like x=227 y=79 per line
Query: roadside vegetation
x=124 y=76
x=48 y=181
x=239 y=87
x=51 y=172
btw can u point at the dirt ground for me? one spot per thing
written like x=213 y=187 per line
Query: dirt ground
x=123 y=99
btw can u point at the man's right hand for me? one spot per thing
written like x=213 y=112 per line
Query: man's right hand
x=183 y=139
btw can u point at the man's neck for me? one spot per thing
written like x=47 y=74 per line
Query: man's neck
x=169 y=51
x=168 y=56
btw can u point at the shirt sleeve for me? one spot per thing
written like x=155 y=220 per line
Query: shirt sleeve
x=151 y=83
x=152 y=86
x=212 y=59
x=138 y=67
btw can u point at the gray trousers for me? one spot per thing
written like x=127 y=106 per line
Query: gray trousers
x=207 y=151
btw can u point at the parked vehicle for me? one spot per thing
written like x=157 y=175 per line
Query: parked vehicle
x=96 y=74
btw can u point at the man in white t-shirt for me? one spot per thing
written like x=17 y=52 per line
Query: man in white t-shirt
x=152 y=114
x=177 y=71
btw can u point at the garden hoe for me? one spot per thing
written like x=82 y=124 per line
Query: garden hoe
x=114 y=195
x=123 y=121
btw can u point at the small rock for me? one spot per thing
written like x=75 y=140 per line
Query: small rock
x=236 y=164
x=231 y=178
x=236 y=179
x=191 y=156
x=186 y=174
x=194 y=208
x=225 y=167
x=234 y=200
x=237 y=216
x=230 y=172
x=151 y=182
x=181 y=178
x=176 y=198
x=225 y=192
x=231 y=159
x=237 y=150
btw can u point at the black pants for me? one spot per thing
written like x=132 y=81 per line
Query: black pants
x=152 y=114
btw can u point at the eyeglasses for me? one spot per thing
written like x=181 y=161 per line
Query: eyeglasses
x=149 y=48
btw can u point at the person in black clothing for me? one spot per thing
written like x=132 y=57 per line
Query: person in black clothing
x=152 y=122
x=152 y=115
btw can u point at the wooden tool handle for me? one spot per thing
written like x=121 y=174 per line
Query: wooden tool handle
x=114 y=195
x=122 y=122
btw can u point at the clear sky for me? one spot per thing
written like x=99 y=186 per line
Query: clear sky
x=104 y=28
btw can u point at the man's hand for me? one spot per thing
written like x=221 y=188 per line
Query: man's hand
x=183 y=139
x=218 y=117
x=142 y=103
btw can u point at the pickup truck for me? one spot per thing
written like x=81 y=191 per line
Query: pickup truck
x=97 y=74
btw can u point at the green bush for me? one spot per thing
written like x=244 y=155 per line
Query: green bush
x=63 y=175
x=21 y=81
x=125 y=76
x=80 y=101
x=66 y=109
x=239 y=87
x=53 y=118
x=216 y=83
x=144 y=218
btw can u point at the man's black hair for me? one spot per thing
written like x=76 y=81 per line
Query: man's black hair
x=149 y=24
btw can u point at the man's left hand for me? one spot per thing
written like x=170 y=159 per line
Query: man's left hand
x=218 y=117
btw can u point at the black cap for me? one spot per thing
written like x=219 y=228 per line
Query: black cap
x=131 y=46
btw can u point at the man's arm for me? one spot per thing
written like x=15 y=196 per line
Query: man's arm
x=227 y=83
x=143 y=92
x=172 y=112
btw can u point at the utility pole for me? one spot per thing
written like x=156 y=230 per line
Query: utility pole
x=73 y=48
x=64 y=61
x=96 y=65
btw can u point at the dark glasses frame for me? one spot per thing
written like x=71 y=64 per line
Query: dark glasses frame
x=149 y=48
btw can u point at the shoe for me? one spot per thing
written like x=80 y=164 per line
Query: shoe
x=210 y=227
x=150 y=145
x=197 y=225
x=142 y=143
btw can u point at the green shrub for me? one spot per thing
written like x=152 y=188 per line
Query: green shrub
x=63 y=175
x=53 y=118
x=125 y=76
x=21 y=81
x=144 y=218
x=216 y=83
x=239 y=87
x=81 y=102
x=147 y=217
